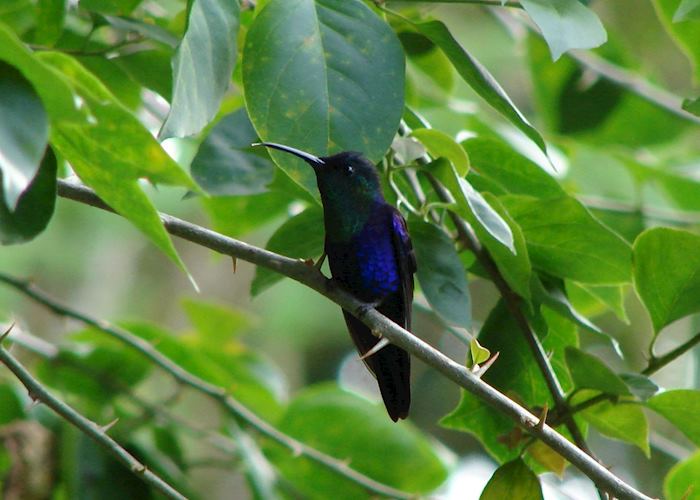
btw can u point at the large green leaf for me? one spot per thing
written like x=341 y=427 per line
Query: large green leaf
x=666 y=263
x=514 y=481
x=566 y=25
x=566 y=241
x=301 y=237
x=24 y=133
x=625 y=421
x=111 y=152
x=350 y=428
x=323 y=76
x=202 y=66
x=683 y=480
x=55 y=92
x=441 y=275
x=680 y=407
x=589 y=372
x=478 y=78
x=225 y=164
x=34 y=207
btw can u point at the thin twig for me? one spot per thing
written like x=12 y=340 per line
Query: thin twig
x=233 y=406
x=656 y=363
x=312 y=278
x=87 y=427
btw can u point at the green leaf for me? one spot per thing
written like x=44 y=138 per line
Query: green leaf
x=686 y=34
x=471 y=204
x=202 y=66
x=343 y=425
x=112 y=151
x=477 y=353
x=588 y=372
x=692 y=106
x=513 y=173
x=115 y=7
x=479 y=79
x=624 y=421
x=312 y=74
x=56 y=94
x=34 y=207
x=440 y=273
x=440 y=144
x=428 y=59
x=683 y=480
x=300 y=237
x=665 y=274
x=24 y=133
x=514 y=481
x=564 y=240
x=640 y=385
x=566 y=25
x=225 y=164
x=50 y=16
x=687 y=9
x=150 y=68
x=593 y=301
x=680 y=407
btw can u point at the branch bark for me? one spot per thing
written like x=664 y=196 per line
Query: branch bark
x=312 y=278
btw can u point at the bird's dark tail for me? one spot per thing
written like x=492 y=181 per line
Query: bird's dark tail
x=391 y=366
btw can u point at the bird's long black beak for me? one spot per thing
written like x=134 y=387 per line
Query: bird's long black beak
x=312 y=160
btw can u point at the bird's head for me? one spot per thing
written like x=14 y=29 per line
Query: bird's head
x=347 y=174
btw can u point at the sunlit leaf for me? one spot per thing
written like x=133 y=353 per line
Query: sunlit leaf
x=680 y=407
x=440 y=144
x=683 y=480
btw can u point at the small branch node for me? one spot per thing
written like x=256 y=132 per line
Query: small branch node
x=543 y=417
x=7 y=332
x=107 y=427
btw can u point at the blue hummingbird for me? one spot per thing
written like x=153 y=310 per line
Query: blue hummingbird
x=370 y=255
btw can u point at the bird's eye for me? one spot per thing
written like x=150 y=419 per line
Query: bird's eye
x=349 y=169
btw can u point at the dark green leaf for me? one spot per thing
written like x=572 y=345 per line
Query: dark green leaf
x=51 y=15
x=665 y=274
x=512 y=172
x=11 y=407
x=623 y=420
x=166 y=440
x=588 y=372
x=202 y=66
x=300 y=237
x=34 y=207
x=225 y=165
x=479 y=78
x=680 y=407
x=111 y=154
x=440 y=273
x=514 y=481
x=566 y=241
x=238 y=215
x=311 y=75
x=343 y=425
x=683 y=480
x=24 y=133
x=566 y=24
x=126 y=90
x=150 y=68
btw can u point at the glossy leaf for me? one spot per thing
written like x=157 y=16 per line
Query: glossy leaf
x=311 y=79
x=344 y=425
x=514 y=481
x=108 y=155
x=680 y=407
x=683 y=480
x=440 y=273
x=24 y=133
x=202 y=66
x=566 y=241
x=623 y=421
x=589 y=372
x=300 y=237
x=479 y=79
x=566 y=25
x=34 y=207
x=665 y=274
x=226 y=164
x=440 y=144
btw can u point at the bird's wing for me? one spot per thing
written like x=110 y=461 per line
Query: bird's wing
x=406 y=258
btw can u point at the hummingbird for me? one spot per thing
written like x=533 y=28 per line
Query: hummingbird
x=370 y=255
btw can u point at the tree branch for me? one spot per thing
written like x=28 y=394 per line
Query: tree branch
x=309 y=276
x=218 y=394
x=92 y=430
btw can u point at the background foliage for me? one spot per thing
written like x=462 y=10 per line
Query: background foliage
x=576 y=170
